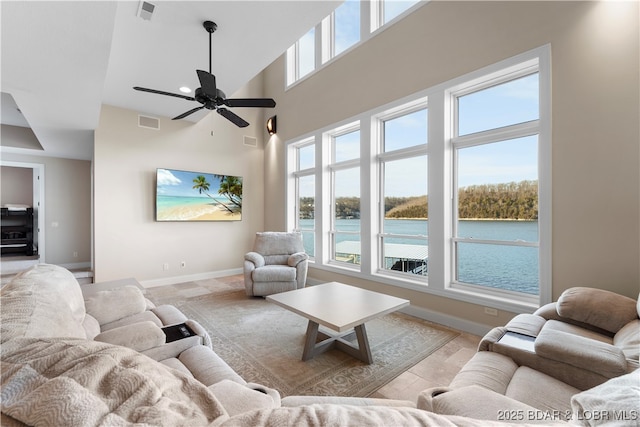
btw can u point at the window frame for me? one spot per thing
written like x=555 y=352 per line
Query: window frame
x=333 y=167
x=382 y=157
x=296 y=175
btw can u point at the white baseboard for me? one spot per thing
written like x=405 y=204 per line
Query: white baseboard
x=76 y=265
x=189 y=278
x=447 y=320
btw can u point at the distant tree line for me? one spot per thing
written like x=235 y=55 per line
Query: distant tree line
x=514 y=200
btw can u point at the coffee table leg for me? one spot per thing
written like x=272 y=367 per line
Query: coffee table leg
x=312 y=348
x=310 y=342
x=363 y=344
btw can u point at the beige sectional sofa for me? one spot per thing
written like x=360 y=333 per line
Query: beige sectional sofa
x=101 y=358
x=572 y=360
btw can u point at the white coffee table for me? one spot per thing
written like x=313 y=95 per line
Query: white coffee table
x=341 y=308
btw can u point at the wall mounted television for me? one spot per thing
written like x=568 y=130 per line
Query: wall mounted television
x=197 y=196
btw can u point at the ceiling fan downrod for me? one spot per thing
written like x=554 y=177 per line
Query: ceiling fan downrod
x=210 y=26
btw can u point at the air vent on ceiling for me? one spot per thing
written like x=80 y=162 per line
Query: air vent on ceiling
x=148 y=122
x=250 y=141
x=145 y=11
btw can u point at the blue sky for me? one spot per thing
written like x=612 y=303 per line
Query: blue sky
x=180 y=183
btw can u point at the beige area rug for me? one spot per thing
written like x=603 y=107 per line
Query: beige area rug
x=263 y=343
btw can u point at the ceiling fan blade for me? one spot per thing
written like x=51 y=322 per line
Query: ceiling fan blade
x=234 y=118
x=183 y=115
x=159 y=92
x=207 y=83
x=250 y=102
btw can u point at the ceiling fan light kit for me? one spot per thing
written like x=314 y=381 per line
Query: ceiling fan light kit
x=210 y=96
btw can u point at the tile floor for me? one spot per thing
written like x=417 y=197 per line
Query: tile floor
x=438 y=369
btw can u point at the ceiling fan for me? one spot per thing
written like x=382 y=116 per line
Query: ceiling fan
x=213 y=98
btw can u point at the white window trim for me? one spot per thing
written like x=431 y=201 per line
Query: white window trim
x=440 y=182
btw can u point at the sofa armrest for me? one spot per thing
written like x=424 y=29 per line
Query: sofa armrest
x=115 y=304
x=297 y=258
x=238 y=398
x=591 y=355
x=548 y=311
x=255 y=258
x=138 y=336
x=477 y=402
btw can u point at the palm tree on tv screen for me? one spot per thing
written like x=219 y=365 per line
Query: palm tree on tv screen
x=230 y=187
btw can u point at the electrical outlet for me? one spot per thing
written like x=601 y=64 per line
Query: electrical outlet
x=165 y=266
x=490 y=311
x=75 y=254
x=183 y=264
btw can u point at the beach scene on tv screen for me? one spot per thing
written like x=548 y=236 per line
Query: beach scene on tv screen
x=197 y=196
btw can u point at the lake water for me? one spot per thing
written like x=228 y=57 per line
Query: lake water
x=498 y=266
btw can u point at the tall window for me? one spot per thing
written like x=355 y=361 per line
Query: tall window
x=495 y=144
x=403 y=168
x=305 y=193
x=301 y=57
x=345 y=197
x=451 y=198
x=344 y=28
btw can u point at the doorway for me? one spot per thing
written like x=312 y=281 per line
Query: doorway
x=16 y=187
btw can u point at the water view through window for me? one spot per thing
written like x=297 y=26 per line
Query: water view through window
x=495 y=266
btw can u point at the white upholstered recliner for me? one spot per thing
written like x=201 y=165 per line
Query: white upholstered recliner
x=278 y=263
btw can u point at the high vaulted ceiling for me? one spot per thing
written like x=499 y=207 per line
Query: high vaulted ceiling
x=61 y=60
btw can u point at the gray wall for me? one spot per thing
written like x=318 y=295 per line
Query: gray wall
x=17 y=185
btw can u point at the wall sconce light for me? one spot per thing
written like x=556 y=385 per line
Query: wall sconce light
x=271 y=125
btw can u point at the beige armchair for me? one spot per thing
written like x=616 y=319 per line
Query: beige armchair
x=278 y=263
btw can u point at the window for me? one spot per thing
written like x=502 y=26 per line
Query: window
x=301 y=57
x=345 y=197
x=403 y=168
x=343 y=27
x=495 y=148
x=305 y=193
x=385 y=11
x=451 y=198
x=351 y=23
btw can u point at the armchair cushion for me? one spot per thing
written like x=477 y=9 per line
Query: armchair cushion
x=274 y=273
x=109 y=306
x=603 y=309
x=597 y=356
x=277 y=243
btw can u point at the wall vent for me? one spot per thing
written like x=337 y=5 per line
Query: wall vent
x=145 y=10
x=250 y=141
x=148 y=122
